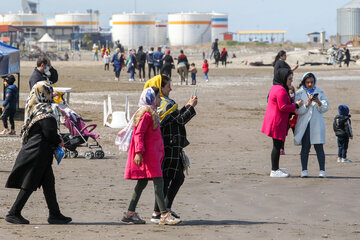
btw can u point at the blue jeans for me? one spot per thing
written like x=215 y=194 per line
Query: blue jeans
x=305 y=148
x=193 y=78
x=206 y=75
x=343 y=143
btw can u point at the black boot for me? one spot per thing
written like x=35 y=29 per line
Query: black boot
x=16 y=219
x=58 y=219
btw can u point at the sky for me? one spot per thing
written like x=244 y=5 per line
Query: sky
x=297 y=17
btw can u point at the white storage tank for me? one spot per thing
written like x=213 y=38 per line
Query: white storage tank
x=133 y=29
x=219 y=26
x=160 y=32
x=189 y=28
x=85 y=21
x=50 y=22
x=348 y=21
x=23 y=19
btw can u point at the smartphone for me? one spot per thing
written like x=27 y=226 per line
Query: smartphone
x=297 y=62
x=195 y=92
x=315 y=95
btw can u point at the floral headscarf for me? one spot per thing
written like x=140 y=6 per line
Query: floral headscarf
x=38 y=106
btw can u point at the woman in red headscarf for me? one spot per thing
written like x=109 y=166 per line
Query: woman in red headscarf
x=223 y=57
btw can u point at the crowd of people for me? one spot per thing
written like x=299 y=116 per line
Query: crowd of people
x=302 y=111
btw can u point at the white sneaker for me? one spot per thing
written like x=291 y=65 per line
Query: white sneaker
x=345 y=160
x=116 y=79
x=322 y=174
x=279 y=173
x=304 y=173
x=130 y=79
x=339 y=159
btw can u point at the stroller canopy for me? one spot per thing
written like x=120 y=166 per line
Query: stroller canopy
x=9 y=59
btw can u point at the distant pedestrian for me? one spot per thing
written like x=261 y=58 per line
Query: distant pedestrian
x=9 y=105
x=158 y=62
x=118 y=63
x=214 y=47
x=183 y=67
x=132 y=65
x=343 y=132
x=340 y=56
x=141 y=60
x=193 y=71
x=347 y=56
x=224 y=56
x=280 y=62
x=205 y=68
x=150 y=61
x=95 y=52
x=106 y=60
x=168 y=64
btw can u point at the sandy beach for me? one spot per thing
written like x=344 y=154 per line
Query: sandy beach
x=228 y=193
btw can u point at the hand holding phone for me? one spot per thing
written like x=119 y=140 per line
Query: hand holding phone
x=195 y=92
x=315 y=96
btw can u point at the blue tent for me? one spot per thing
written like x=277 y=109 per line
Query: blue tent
x=9 y=59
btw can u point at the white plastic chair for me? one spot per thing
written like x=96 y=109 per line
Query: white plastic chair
x=118 y=119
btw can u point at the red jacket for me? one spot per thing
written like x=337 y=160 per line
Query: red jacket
x=276 y=119
x=205 y=67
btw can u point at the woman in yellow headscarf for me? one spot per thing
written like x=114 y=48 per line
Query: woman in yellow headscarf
x=172 y=126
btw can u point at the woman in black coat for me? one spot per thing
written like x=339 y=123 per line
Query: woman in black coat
x=280 y=62
x=168 y=64
x=32 y=167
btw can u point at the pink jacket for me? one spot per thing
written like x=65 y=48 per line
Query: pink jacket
x=276 y=119
x=150 y=144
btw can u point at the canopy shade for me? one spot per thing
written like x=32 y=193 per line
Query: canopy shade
x=9 y=59
x=46 y=39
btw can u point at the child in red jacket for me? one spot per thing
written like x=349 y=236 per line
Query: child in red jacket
x=205 y=68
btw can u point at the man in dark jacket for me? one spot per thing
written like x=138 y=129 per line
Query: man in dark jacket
x=214 y=47
x=141 y=59
x=150 y=61
x=43 y=65
x=9 y=105
x=158 y=60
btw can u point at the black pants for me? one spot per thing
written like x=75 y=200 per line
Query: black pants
x=9 y=114
x=275 y=154
x=343 y=143
x=141 y=69
x=117 y=74
x=151 y=67
x=158 y=70
x=106 y=67
x=171 y=188
x=305 y=148
x=48 y=186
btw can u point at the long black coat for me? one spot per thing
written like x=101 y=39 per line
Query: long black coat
x=35 y=157
x=174 y=136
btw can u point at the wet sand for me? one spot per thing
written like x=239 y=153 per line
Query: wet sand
x=228 y=193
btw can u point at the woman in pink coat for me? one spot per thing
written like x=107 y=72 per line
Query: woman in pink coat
x=146 y=153
x=276 y=119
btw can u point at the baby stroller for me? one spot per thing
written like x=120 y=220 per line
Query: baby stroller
x=78 y=135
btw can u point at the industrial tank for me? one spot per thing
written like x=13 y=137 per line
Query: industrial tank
x=189 y=28
x=133 y=29
x=348 y=21
x=160 y=32
x=85 y=21
x=219 y=26
x=23 y=19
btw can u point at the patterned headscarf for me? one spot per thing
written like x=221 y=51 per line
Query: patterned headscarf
x=38 y=106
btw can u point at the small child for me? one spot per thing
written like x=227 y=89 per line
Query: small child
x=9 y=105
x=343 y=131
x=193 y=73
x=107 y=60
x=205 y=68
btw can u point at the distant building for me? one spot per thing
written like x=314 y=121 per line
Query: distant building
x=313 y=37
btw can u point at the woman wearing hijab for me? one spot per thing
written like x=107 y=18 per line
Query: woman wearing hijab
x=172 y=124
x=276 y=119
x=223 y=57
x=118 y=62
x=146 y=152
x=32 y=168
x=168 y=64
x=310 y=126
x=280 y=62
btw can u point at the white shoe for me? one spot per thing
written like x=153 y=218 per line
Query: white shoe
x=339 y=159
x=345 y=160
x=279 y=173
x=304 y=173
x=322 y=174
x=116 y=79
x=130 y=79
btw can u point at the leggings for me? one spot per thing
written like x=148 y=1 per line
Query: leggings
x=151 y=67
x=117 y=74
x=275 y=154
x=48 y=186
x=171 y=188
x=305 y=147
x=142 y=69
x=159 y=194
x=9 y=113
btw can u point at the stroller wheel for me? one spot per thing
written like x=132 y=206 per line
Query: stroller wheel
x=89 y=155
x=74 y=154
x=99 y=154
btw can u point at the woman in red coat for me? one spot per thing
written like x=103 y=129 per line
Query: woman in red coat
x=276 y=119
x=146 y=153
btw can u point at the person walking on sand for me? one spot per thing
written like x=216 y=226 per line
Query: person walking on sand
x=168 y=64
x=205 y=68
x=32 y=168
x=182 y=67
x=172 y=124
x=9 y=105
x=118 y=62
x=150 y=61
x=280 y=62
x=214 y=48
x=158 y=60
x=146 y=152
x=224 y=56
x=276 y=119
x=347 y=56
x=141 y=60
x=310 y=126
